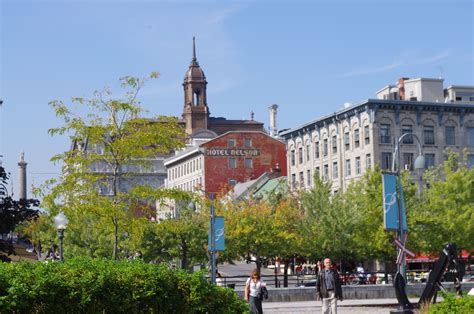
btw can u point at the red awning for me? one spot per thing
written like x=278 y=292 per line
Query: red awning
x=424 y=258
x=420 y=258
x=465 y=254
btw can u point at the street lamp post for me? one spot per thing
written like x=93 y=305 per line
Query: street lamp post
x=60 y=222
x=419 y=164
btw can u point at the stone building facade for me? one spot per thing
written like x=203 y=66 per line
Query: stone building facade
x=340 y=147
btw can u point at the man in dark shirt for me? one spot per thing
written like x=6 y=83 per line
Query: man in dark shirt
x=328 y=288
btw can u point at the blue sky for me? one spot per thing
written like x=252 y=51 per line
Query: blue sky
x=309 y=57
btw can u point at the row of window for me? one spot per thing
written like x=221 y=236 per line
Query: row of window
x=428 y=135
x=335 y=171
x=184 y=169
x=232 y=142
x=232 y=162
x=407 y=161
x=192 y=185
x=325 y=146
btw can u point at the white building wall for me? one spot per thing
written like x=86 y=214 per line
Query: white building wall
x=372 y=147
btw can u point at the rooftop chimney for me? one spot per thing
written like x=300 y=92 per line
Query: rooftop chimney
x=273 y=124
x=401 y=87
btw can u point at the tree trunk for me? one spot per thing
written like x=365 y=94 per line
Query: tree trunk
x=258 y=263
x=114 y=219
x=116 y=239
x=184 y=256
x=285 y=274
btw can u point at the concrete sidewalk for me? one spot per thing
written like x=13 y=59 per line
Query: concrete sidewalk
x=348 y=306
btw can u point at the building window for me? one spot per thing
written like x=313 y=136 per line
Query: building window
x=232 y=182
x=326 y=173
x=470 y=137
x=450 y=137
x=366 y=134
x=386 y=161
x=300 y=155
x=368 y=162
x=248 y=142
x=293 y=180
x=231 y=142
x=356 y=138
x=316 y=150
x=346 y=141
x=428 y=134
x=385 y=133
x=316 y=171
x=335 y=171
x=458 y=98
x=292 y=157
x=429 y=160
x=334 y=144
x=232 y=163
x=325 y=147
x=301 y=179
x=248 y=163
x=358 y=171
x=408 y=161
x=348 y=167
x=406 y=128
x=308 y=153
x=308 y=177
x=470 y=160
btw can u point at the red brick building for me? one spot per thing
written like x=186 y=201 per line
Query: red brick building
x=221 y=162
x=239 y=157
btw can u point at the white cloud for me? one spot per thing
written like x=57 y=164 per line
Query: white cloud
x=373 y=69
x=406 y=60
x=220 y=16
x=430 y=59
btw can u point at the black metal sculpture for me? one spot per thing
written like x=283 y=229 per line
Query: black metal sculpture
x=447 y=260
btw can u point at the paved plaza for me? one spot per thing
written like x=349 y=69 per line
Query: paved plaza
x=348 y=306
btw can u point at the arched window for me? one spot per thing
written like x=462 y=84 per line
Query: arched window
x=196 y=98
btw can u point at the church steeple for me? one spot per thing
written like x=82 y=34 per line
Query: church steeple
x=194 y=51
x=195 y=111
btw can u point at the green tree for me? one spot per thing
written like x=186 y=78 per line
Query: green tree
x=12 y=213
x=446 y=211
x=330 y=223
x=111 y=133
x=258 y=231
x=183 y=238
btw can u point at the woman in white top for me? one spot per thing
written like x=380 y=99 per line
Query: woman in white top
x=252 y=288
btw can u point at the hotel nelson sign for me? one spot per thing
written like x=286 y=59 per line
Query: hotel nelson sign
x=232 y=152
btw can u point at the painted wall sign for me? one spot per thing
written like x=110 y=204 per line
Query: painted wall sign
x=232 y=152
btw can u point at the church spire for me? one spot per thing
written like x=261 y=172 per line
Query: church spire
x=194 y=49
x=195 y=111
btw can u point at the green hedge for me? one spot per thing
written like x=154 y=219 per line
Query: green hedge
x=92 y=286
x=453 y=304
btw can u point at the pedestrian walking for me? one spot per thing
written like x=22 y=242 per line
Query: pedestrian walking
x=255 y=289
x=328 y=288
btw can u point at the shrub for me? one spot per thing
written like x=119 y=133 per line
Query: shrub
x=453 y=304
x=83 y=285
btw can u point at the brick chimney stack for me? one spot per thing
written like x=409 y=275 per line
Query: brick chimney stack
x=401 y=87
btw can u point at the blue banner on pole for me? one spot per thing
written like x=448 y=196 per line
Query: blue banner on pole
x=404 y=212
x=390 y=204
x=219 y=234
